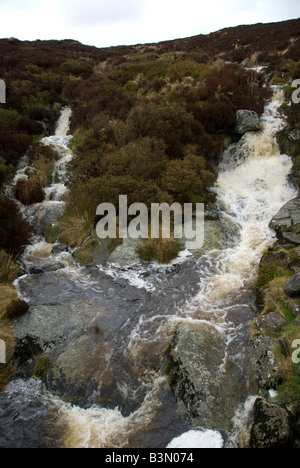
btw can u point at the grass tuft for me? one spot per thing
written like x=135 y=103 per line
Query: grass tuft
x=9 y=271
x=78 y=220
x=29 y=191
x=161 y=250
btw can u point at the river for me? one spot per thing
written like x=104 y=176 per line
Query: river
x=106 y=328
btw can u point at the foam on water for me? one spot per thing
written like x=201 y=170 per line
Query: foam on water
x=204 y=439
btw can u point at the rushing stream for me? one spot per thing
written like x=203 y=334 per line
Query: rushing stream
x=105 y=328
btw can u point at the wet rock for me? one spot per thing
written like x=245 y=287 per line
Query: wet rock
x=272 y=322
x=42 y=215
x=272 y=427
x=292 y=287
x=59 y=248
x=293 y=308
x=81 y=370
x=196 y=357
x=40 y=269
x=286 y=222
x=93 y=252
x=262 y=363
x=292 y=237
x=247 y=121
x=294 y=135
x=125 y=254
x=293 y=259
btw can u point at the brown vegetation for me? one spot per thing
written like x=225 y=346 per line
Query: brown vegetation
x=15 y=232
x=29 y=191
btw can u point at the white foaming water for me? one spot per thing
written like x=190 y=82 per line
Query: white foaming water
x=250 y=194
x=98 y=427
x=204 y=439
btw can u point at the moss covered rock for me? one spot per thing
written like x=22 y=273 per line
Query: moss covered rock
x=93 y=252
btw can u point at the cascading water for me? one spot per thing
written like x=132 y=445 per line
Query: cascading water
x=105 y=328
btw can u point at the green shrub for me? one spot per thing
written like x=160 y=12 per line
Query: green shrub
x=6 y=172
x=15 y=232
x=80 y=67
x=9 y=120
x=52 y=233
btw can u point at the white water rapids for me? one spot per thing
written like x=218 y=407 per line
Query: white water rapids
x=249 y=193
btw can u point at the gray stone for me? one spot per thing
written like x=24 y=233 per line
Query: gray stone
x=263 y=365
x=247 y=121
x=294 y=309
x=294 y=135
x=272 y=322
x=272 y=427
x=94 y=251
x=43 y=214
x=292 y=287
x=292 y=237
x=35 y=270
x=208 y=396
x=288 y=215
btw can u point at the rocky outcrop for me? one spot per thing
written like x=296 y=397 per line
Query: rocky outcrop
x=273 y=426
x=198 y=378
x=272 y=322
x=247 y=121
x=286 y=222
x=292 y=287
x=94 y=251
x=263 y=366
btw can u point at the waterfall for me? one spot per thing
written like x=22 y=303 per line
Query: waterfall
x=138 y=308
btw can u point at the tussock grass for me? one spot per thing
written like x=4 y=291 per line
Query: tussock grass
x=16 y=308
x=275 y=269
x=6 y=370
x=9 y=271
x=41 y=367
x=7 y=294
x=161 y=250
x=45 y=168
x=29 y=191
x=78 y=220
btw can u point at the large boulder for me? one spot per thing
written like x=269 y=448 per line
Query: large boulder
x=272 y=322
x=94 y=251
x=292 y=287
x=263 y=366
x=206 y=395
x=272 y=427
x=247 y=121
x=286 y=222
